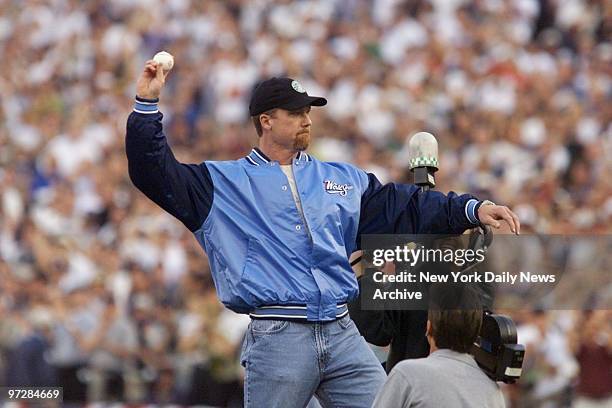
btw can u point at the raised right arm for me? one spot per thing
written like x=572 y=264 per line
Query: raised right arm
x=183 y=190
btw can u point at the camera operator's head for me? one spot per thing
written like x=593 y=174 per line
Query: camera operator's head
x=454 y=318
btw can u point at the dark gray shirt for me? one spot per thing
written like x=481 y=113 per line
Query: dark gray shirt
x=444 y=379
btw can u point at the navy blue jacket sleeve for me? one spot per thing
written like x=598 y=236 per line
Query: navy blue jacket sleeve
x=404 y=209
x=183 y=190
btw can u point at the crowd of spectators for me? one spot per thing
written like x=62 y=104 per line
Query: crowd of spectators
x=108 y=296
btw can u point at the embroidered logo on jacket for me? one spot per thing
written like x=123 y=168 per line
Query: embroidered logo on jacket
x=335 y=188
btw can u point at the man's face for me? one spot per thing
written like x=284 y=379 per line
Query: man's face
x=291 y=129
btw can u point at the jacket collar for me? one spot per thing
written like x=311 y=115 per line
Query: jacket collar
x=256 y=157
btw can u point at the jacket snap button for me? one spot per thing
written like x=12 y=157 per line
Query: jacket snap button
x=284 y=188
x=298 y=227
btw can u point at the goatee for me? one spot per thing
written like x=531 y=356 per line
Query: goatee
x=301 y=141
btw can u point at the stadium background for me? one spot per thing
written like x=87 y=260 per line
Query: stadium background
x=98 y=285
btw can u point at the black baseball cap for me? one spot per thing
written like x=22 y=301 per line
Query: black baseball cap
x=284 y=93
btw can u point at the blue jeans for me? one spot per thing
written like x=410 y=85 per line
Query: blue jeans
x=288 y=362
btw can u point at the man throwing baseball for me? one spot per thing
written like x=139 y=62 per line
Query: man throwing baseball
x=278 y=226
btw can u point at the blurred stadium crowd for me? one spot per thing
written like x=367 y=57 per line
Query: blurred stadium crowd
x=104 y=294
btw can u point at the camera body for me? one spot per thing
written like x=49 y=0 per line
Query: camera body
x=496 y=350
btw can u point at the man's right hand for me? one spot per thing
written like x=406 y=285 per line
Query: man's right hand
x=151 y=81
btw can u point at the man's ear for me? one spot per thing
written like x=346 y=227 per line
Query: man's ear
x=428 y=328
x=266 y=121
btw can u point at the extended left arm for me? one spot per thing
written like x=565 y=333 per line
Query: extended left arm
x=404 y=209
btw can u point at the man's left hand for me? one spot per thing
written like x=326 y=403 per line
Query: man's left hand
x=492 y=215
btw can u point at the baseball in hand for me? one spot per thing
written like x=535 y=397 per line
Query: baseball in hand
x=165 y=59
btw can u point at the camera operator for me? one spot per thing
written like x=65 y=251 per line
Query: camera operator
x=449 y=376
x=404 y=330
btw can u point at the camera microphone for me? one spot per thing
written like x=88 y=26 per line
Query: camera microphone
x=423 y=159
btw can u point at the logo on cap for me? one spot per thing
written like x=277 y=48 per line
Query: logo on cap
x=298 y=87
